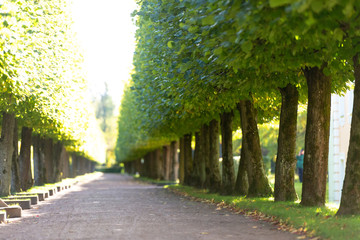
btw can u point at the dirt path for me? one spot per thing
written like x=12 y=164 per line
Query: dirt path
x=116 y=207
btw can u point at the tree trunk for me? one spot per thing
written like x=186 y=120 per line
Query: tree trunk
x=166 y=162
x=214 y=154
x=138 y=166
x=242 y=181
x=26 y=181
x=205 y=143
x=48 y=159
x=228 y=171
x=159 y=173
x=316 y=137
x=127 y=166
x=57 y=152
x=258 y=182
x=147 y=165
x=73 y=166
x=15 y=166
x=65 y=164
x=6 y=152
x=198 y=174
x=181 y=161
x=188 y=159
x=286 y=161
x=151 y=165
x=81 y=162
x=38 y=158
x=350 y=197
x=174 y=159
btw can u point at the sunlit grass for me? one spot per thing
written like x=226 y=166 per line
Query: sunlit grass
x=154 y=181
x=315 y=221
x=298 y=188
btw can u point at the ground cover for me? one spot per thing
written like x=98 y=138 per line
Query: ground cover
x=154 y=181
x=315 y=222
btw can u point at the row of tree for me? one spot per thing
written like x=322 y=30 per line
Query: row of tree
x=198 y=63
x=42 y=94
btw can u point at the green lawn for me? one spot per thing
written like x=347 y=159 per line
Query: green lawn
x=314 y=221
x=298 y=186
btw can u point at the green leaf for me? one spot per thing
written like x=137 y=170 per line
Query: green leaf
x=247 y=46
x=218 y=51
x=279 y=3
x=182 y=25
x=338 y=34
x=209 y=20
x=170 y=44
x=317 y=5
x=327 y=71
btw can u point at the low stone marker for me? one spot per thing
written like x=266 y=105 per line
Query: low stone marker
x=12 y=211
x=41 y=195
x=23 y=203
x=2 y=216
x=34 y=199
x=52 y=191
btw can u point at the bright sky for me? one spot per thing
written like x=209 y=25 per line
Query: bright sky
x=106 y=33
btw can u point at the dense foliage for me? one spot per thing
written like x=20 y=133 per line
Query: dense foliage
x=196 y=60
x=41 y=80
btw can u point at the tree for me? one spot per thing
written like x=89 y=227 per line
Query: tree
x=6 y=152
x=285 y=162
x=41 y=80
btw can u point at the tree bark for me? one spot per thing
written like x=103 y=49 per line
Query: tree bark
x=158 y=160
x=286 y=161
x=15 y=166
x=350 y=197
x=137 y=166
x=127 y=166
x=166 y=162
x=242 y=181
x=151 y=165
x=258 y=182
x=38 y=158
x=26 y=181
x=65 y=166
x=181 y=161
x=198 y=174
x=73 y=165
x=205 y=145
x=214 y=154
x=48 y=159
x=6 y=152
x=174 y=158
x=188 y=159
x=81 y=162
x=147 y=165
x=57 y=152
x=228 y=171
x=316 y=137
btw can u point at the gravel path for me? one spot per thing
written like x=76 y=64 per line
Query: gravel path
x=113 y=206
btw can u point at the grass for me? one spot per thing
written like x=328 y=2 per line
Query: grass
x=10 y=199
x=297 y=185
x=314 y=221
x=153 y=181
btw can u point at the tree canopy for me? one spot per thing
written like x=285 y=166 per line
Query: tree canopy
x=42 y=80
